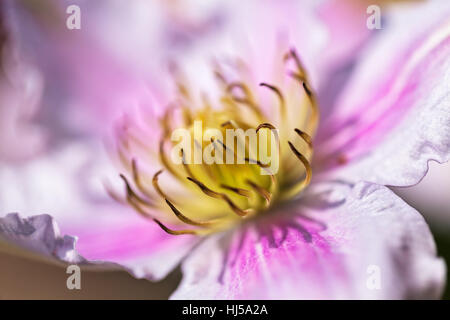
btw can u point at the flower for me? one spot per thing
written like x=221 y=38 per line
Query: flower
x=318 y=230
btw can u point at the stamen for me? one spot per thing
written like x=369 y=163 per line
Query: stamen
x=236 y=126
x=230 y=123
x=228 y=180
x=223 y=145
x=216 y=149
x=280 y=97
x=302 y=77
x=239 y=191
x=137 y=180
x=187 y=220
x=306 y=137
x=175 y=232
x=165 y=162
x=133 y=194
x=219 y=75
x=165 y=120
x=303 y=183
x=251 y=161
x=247 y=100
x=272 y=129
x=292 y=54
x=222 y=196
x=219 y=169
x=257 y=162
x=260 y=190
x=156 y=185
x=185 y=165
x=113 y=194
x=135 y=205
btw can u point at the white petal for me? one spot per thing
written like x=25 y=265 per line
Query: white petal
x=397 y=104
x=374 y=246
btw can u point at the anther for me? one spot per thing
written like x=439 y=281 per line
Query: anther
x=185 y=164
x=165 y=162
x=306 y=137
x=305 y=182
x=131 y=193
x=239 y=191
x=156 y=185
x=187 y=220
x=280 y=97
x=218 y=195
x=137 y=180
x=260 y=190
x=175 y=232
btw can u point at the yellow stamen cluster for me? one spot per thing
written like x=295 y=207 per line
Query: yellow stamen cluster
x=216 y=196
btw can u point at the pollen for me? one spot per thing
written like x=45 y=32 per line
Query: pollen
x=198 y=196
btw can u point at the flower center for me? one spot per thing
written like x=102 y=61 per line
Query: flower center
x=225 y=164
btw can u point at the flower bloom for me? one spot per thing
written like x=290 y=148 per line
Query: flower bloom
x=243 y=177
x=321 y=226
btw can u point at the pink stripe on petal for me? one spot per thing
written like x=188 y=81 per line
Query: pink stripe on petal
x=330 y=254
x=389 y=135
x=142 y=247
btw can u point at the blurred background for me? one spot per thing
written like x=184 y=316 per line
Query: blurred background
x=52 y=91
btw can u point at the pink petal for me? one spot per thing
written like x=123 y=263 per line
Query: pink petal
x=430 y=196
x=393 y=117
x=141 y=247
x=41 y=235
x=68 y=183
x=21 y=87
x=90 y=81
x=328 y=248
x=346 y=30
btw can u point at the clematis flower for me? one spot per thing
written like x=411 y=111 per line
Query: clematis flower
x=319 y=227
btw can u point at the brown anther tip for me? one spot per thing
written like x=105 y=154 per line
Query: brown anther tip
x=155 y=176
x=218 y=195
x=306 y=137
x=291 y=145
x=260 y=190
x=239 y=191
x=271 y=87
x=198 y=183
x=265 y=125
x=263 y=84
x=174 y=232
x=134 y=169
x=194 y=180
x=297 y=76
x=187 y=220
x=169 y=203
x=307 y=90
